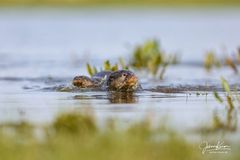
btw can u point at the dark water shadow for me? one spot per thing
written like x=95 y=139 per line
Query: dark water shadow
x=112 y=97
x=122 y=97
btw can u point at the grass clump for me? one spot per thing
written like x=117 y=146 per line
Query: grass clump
x=74 y=124
x=149 y=57
x=212 y=61
x=66 y=141
x=71 y=138
x=152 y=58
x=107 y=66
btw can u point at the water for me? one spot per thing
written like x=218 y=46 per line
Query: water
x=42 y=48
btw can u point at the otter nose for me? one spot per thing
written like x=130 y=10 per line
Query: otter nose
x=132 y=80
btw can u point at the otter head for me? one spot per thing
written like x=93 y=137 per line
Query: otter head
x=82 y=82
x=122 y=80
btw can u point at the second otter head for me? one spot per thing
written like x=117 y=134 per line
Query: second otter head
x=83 y=82
x=122 y=80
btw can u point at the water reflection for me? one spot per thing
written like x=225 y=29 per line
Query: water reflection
x=226 y=123
x=112 y=97
x=90 y=97
x=122 y=97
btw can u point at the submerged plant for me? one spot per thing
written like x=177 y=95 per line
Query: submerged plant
x=151 y=57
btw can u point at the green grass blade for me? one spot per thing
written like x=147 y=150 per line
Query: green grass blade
x=107 y=65
x=225 y=85
x=89 y=69
x=217 y=97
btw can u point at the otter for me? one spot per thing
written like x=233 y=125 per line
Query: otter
x=121 y=80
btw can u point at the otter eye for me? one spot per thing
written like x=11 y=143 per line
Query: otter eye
x=124 y=74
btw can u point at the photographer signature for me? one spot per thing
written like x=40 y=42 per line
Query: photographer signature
x=220 y=147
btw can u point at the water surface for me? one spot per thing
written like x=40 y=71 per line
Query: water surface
x=45 y=48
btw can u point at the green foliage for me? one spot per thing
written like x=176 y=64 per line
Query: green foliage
x=107 y=66
x=147 y=56
x=22 y=127
x=229 y=97
x=217 y=97
x=74 y=124
x=142 y=129
x=140 y=142
x=123 y=64
x=211 y=61
x=91 y=70
x=163 y=70
x=151 y=57
x=225 y=85
x=230 y=123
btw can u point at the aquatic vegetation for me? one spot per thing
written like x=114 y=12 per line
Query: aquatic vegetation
x=230 y=123
x=149 y=57
x=22 y=127
x=211 y=61
x=75 y=124
x=139 y=141
x=229 y=62
x=107 y=67
x=229 y=96
x=91 y=70
x=67 y=141
x=65 y=138
x=152 y=58
x=227 y=124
